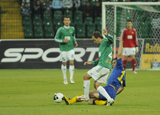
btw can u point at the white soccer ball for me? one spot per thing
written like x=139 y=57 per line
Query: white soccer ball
x=58 y=97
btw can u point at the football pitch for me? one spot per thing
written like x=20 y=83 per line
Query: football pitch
x=30 y=92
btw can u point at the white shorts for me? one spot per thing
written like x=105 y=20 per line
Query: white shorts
x=67 y=55
x=99 y=73
x=129 y=51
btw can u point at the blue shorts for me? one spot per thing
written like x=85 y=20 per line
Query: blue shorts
x=110 y=90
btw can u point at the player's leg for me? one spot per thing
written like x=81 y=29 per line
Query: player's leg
x=100 y=75
x=71 y=101
x=64 y=66
x=86 y=86
x=125 y=53
x=125 y=62
x=71 y=65
x=133 y=53
x=133 y=64
x=71 y=70
x=101 y=90
x=74 y=99
x=94 y=98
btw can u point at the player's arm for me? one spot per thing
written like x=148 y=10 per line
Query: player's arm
x=120 y=49
x=123 y=35
x=95 y=62
x=110 y=38
x=120 y=90
x=58 y=37
x=91 y=63
x=136 y=41
x=74 y=39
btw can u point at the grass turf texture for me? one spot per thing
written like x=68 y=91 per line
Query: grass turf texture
x=30 y=92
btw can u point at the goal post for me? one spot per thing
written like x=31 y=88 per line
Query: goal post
x=145 y=17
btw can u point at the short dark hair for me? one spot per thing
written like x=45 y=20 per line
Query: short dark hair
x=66 y=17
x=114 y=59
x=97 y=34
x=129 y=20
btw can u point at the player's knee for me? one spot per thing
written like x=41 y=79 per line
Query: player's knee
x=96 y=84
x=90 y=94
x=133 y=56
x=86 y=76
x=125 y=57
x=90 y=102
x=71 y=63
x=64 y=63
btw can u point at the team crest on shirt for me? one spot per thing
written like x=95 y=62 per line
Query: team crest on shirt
x=108 y=61
x=132 y=32
x=70 y=31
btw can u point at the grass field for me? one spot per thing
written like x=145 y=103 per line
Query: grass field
x=30 y=92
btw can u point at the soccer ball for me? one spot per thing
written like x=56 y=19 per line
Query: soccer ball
x=58 y=97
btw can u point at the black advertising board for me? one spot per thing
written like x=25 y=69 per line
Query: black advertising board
x=42 y=54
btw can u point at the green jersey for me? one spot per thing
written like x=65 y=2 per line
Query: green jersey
x=66 y=32
x=105 y=53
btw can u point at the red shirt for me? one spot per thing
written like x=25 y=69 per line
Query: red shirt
x=129 y=38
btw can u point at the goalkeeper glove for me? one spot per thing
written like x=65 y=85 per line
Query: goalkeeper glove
x=137 y=49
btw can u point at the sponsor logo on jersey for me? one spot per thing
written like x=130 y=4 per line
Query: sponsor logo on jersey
x=129 y=36
x=108 y=61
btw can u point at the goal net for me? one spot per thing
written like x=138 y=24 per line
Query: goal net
x=146 y=20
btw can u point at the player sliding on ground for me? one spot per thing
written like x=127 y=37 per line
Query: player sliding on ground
x=115 y=85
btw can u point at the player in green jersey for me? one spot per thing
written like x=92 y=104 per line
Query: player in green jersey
x=65 y=36
x=102 y=66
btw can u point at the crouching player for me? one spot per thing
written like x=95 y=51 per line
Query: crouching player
x=116 y=82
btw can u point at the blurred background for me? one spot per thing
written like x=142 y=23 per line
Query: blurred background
x=28 y=19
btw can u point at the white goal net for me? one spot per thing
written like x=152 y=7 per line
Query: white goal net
x=146 y=20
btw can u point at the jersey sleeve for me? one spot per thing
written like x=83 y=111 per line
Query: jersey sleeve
x=74 y=38
x=110 y=38
x=122 y=35
x=124 y=83
x=95 y=62
x=135 y=38
x=119 y=63
x=58 y=36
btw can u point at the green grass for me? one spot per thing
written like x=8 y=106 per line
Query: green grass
x=30 y=92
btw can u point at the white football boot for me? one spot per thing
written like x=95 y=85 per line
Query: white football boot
x=65 y=81
x=83 y=98
x=110 y=102
x=134 y=72
x=72 y=81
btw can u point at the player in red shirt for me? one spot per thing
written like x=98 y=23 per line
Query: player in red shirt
x=130 y=45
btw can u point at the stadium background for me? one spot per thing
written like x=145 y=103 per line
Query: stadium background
x=30 y=91
x=16 y=24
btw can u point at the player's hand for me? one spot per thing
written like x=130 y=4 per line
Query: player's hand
x=105 y=32
x=120 y=39
x=137 y=49
x=87 y=63
x=65 y=40
x=76 y=44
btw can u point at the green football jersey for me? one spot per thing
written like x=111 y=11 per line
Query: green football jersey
x=105 y=53
x=66 y=32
